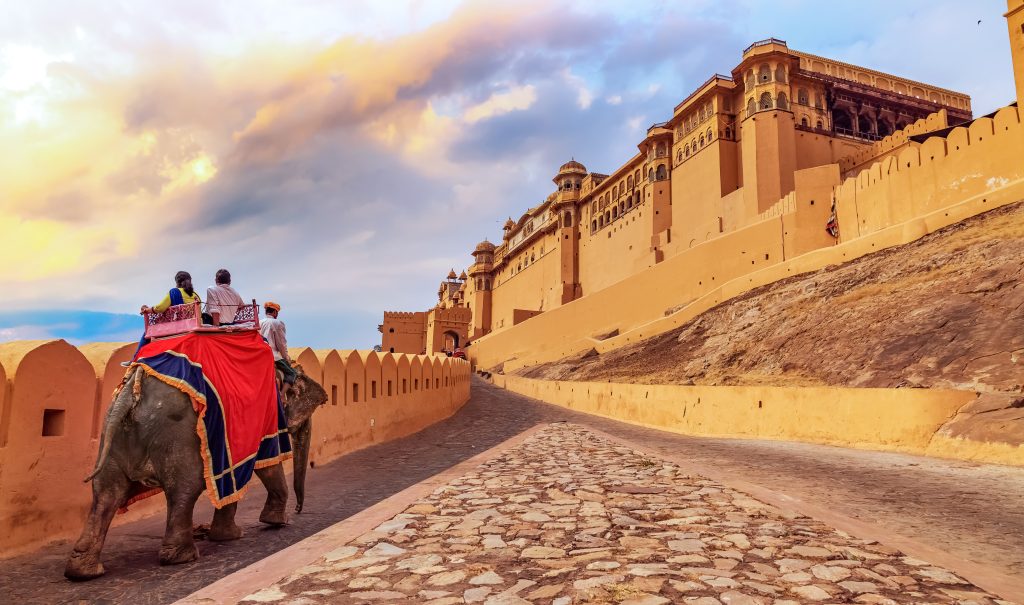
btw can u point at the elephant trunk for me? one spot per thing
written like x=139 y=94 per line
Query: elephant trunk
x=120 y=408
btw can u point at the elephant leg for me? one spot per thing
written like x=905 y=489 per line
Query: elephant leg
x=300 y=460
x=277 y=495
x=223 y=527
x=179 y=545
x=109 y=492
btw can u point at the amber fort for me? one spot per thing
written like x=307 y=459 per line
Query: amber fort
x=789 y=154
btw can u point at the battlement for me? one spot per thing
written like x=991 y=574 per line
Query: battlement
x=53 y=421
x=402 y=315
x=934 y=122
x=971 y=160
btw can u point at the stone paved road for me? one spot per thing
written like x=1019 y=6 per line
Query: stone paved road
x=969 y=510
x=568 y=517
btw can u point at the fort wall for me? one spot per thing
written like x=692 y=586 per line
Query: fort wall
x=902 y=420
x=53 y=398
x=683 y=277
x=977 y=160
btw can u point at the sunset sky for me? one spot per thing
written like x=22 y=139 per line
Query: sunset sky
x=341 y=157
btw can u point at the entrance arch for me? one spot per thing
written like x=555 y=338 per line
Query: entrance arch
x=451 y=340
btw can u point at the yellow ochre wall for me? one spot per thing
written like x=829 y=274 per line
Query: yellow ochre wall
x=537 y=287
x=638 y=299
x=976 y=161
x=1015 y=23
x=51 y=394
x=605 y=259
x=903 y=420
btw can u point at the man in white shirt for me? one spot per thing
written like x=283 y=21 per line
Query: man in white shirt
x=222 y=301
x=273 y=330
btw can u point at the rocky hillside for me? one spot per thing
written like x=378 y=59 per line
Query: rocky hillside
x=944 y=311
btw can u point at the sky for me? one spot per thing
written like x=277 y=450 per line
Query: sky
x=339 y=157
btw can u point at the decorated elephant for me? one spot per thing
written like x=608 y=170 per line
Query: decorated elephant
x=150 y=441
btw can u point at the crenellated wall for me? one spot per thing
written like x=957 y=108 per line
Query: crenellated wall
x=53 y=398
x=981 y=160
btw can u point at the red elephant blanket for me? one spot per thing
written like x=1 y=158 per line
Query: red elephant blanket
x=229 y=376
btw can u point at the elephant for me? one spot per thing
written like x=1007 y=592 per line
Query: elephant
x=149 y=440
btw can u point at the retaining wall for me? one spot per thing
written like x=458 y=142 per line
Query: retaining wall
x=54 y=397
x=902 y=420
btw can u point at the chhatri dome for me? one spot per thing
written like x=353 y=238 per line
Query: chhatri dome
x=451 y=274
x=572 y=167
x=509 y=224
x=484 y=246
x=463 y=276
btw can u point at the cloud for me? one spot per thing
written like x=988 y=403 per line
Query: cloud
x=342 y=172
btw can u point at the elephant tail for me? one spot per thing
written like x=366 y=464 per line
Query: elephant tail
x=123 y=403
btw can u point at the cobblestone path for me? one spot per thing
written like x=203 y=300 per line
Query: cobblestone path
x=969 y=510
x=567 y=517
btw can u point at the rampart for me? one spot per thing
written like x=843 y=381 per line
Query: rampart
x=903 y=420
x=54 y=397
x=892 y=202
x=897 y=140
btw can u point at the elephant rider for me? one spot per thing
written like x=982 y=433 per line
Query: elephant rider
x=181 y=294
x=273 y=330
x=222 y=301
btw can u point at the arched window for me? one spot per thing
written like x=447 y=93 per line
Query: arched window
x=487 y=284
x=780 y=73
x=615 y=212
x=607 y=217
x=593 y=226
x=783 y=101
x=629 y=202
x=764 y=73
x=650 y=174
x=622 y=207
x=766 y=101
x=661 y=174
x=819 y=125
x=661 y=149
x=615 y=192
x=600 y=220
x=593 y=207
x=749 y=80
x=679 y=156
x=728 y=133
x=532 y=257
x=637 y=177
x=686 y=150
x=567 y=219
x=817 y=101
x=693 y=145
x=801 y=96
x=702 y=141
x=709 y=135
x=629 y=181
x=751 y=106
x=804 y=122
x=479 y=283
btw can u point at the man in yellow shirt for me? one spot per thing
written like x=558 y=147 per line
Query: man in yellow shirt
x=180 y=295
